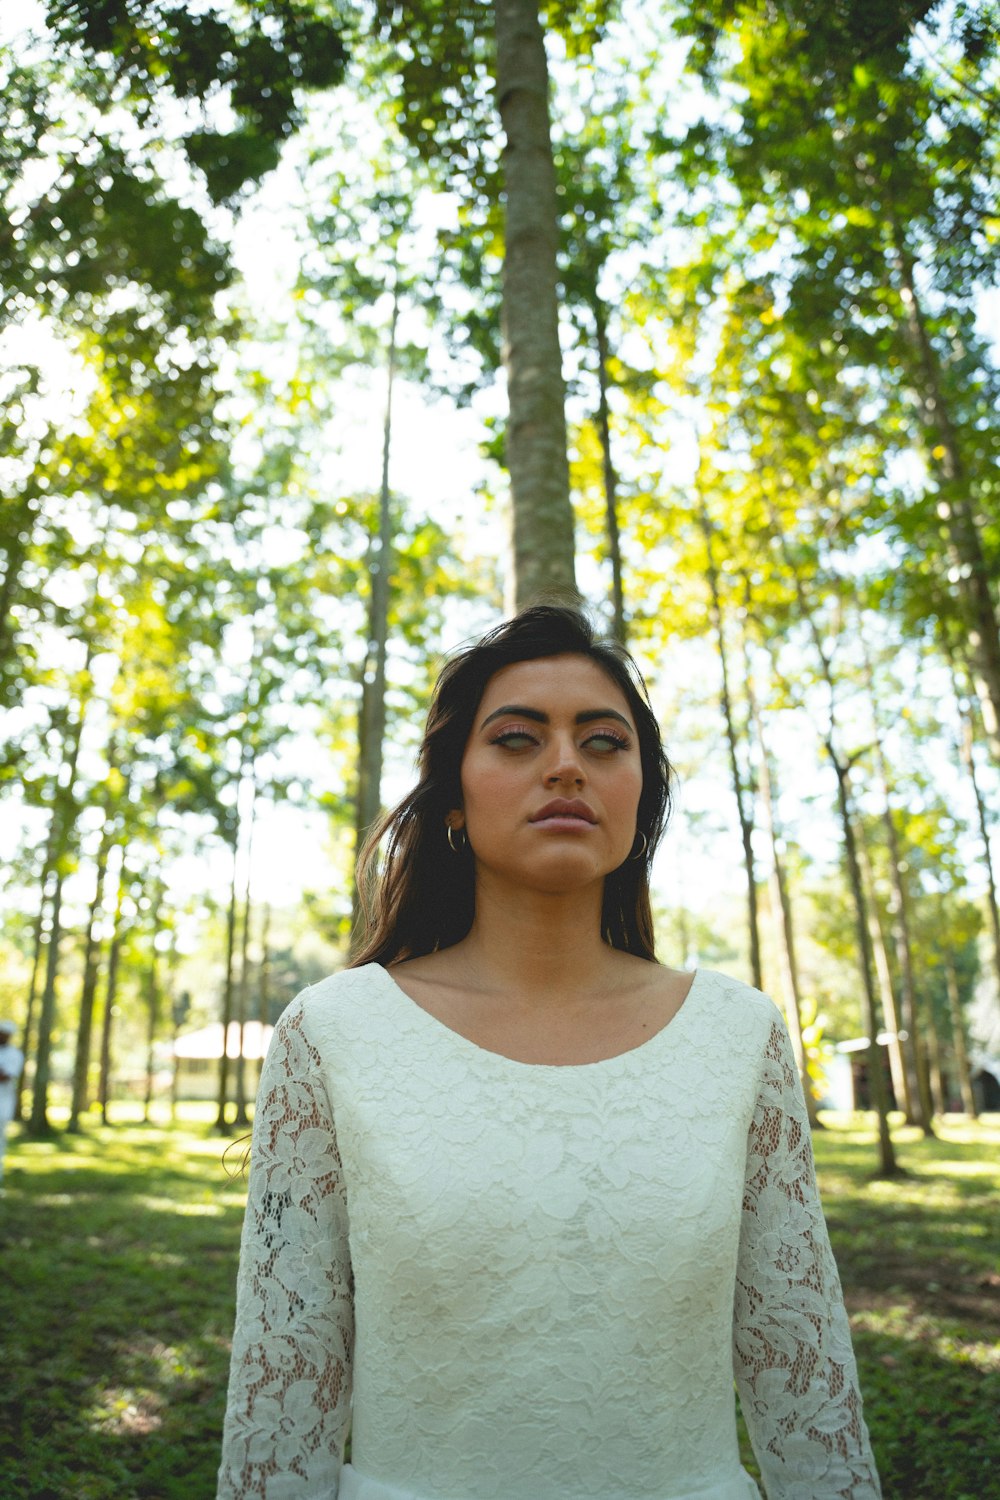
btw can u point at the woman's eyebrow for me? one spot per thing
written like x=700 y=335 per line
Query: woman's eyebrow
x=585 y=717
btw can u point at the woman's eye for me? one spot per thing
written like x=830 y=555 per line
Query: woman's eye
x=605 y=740
x=514 y=739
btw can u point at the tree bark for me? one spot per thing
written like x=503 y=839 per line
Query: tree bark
x=243 y=989
x=38 y=1121
x=935 y=1078
x=969 y=761
x=958 y=1043
x=111 y=990
x=739 y=785
x=536 y=438
x=780 y=903
x=153 y=999
x=371 y=712
x=972 y=572
x=264 y=971
x=876 y=1083
x=221 y=1122
x=887 y=994
x=888 y=1166
x=15 y=547
x=913 y=1099
x=610 y=474
x=264 y=979
x=88 y=992
x=64 y=818
x=38 y=948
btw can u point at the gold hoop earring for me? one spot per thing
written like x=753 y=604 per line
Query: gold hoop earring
x=645 y=845
x=450 y=835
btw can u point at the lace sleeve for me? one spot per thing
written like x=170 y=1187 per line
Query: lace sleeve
x=289 y=1385
x=792 y=1350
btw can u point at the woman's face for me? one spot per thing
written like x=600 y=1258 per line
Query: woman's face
x=551 y=775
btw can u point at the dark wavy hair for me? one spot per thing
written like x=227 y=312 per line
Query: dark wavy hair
x=416 y=894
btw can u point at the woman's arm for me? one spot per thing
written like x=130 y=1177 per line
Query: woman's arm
x=289 y=1385
x=792 y=1352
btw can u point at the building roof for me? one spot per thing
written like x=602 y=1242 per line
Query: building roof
x=207 y=1043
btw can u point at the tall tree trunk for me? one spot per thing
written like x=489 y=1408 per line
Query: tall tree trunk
x=876 y=1082
x=744 y=804
x=37 y=949
x=371 y=712
x=536 y=438
x=781 y=905
x=64 y=817
x=107 y=1024
x=264 y=979
x=935 y=1076
x=971 y=569
x=243 y=988
x=111 y=990
x=180 y=1009
x=969 y=761
x=221 y=1122
x=88 y=991
x=264 y=971
x=610 y=475
x=38 y=1121
x=888 y=1166
x=913 y=1099
x=15 y=548
x=153 y=999
x=958 y=1042
x=883 y=973
x=174 y=1066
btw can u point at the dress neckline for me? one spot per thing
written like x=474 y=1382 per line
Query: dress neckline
x=420 y=1016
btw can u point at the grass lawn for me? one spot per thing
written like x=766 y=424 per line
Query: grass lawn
x=118 y=1253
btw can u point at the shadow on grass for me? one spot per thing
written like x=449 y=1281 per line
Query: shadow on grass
x=119 y=1249
x=919 y=1259
x=932 y=1422
x=932 y=1416
x=117 y=1305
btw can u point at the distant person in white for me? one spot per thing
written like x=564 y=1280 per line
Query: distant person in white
x=11 y=1063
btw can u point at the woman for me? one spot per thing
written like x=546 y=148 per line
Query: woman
x=522 y=1199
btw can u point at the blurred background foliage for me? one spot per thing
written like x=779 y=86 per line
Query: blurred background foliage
x=253 y=478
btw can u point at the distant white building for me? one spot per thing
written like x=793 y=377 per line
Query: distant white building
x=197 y=1054
x=843 y=1070
x=986 y=1081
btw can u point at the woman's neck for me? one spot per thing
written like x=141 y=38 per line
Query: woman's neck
x=547 y=948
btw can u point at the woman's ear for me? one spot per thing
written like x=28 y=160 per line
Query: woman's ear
x=455 y=819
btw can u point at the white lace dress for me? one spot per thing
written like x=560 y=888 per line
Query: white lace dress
x=526 y=1282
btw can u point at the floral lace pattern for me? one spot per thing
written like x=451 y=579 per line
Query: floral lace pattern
x=548 y=1274
x=290 y=1377
x=792 y=1353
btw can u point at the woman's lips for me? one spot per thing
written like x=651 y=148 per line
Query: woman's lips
x=565 y=813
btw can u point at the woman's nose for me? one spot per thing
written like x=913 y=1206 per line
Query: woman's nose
x=565 y=765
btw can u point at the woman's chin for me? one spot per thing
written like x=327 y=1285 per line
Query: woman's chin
x=554 y=871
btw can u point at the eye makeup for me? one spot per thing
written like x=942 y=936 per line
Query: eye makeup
x=509 y=732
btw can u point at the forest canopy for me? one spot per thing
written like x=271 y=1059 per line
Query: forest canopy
x=308 y=307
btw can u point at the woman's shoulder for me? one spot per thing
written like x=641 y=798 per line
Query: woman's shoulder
x=335 y=1000
x=736 y=998
x=343 y=982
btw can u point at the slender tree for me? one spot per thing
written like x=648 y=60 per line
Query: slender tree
x=742 y=790
x=536 y=442
x=65 y=809
x=371 y=713
x=781 y=905
x=958 y=1042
